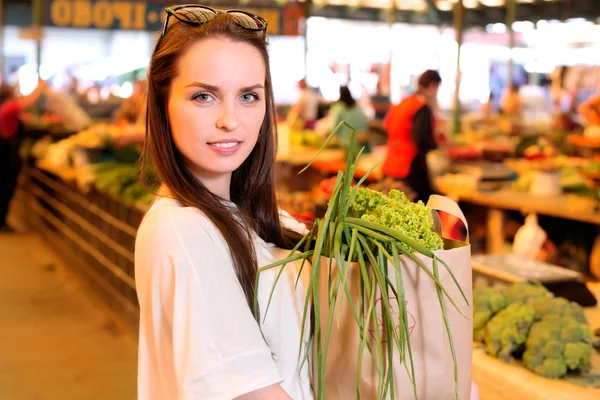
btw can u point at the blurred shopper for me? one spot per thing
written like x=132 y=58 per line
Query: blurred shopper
x=589 y=110
x=346 y=109
x=510 y=103
x=380 y=102
x=410 y=126
x=303 y=115
x=488 y=109
x=11 y=135
x=133 y=109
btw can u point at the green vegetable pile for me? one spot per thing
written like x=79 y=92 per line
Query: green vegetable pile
x=122 y=180
x=552 y=332
x=486 y=303
x=508 y=330
x=376 y=232
x=558 y=344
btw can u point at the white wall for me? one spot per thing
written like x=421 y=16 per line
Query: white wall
x=83 y=49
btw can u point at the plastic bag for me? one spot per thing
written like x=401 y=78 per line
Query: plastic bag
x=530 y=238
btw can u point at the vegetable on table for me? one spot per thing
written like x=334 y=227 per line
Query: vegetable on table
x=507 y=331
x=557 y=345
x=552 y=331
x=521 y=292
x=557 y=306
x=487 y=302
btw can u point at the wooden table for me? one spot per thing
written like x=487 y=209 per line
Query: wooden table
x=301 y=156
x=500 y=381
x=564 y=206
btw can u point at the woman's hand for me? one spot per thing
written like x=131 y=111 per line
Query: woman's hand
x=273 y=392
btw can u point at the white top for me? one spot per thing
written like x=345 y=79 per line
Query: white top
x=198 y=337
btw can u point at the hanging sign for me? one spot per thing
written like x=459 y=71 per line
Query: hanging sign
x=136 y=15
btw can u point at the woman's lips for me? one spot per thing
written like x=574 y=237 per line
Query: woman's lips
x=225 y=147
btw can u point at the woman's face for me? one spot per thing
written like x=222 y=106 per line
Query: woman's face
x=216 y=108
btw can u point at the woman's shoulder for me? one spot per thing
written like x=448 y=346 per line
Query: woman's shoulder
x=168 y=225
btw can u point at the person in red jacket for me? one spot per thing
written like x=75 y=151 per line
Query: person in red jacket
x=410 y=126
x=11 y=127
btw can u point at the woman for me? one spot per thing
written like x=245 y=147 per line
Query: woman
x=211 y=137
x=346 y=109
x=11 y=136
x=410 y=126
x=589 y=110
x=511 y=104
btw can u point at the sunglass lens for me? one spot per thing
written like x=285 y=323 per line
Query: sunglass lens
x=247 y=21
x=196 y=14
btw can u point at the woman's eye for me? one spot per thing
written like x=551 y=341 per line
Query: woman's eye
x=202 y=97
x=249 y=97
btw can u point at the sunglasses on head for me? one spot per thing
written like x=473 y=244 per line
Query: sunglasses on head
x=194 y=14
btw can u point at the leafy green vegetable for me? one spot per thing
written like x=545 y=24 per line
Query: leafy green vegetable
x=397 y=212
x=487 y=302
x=522 y=292
x=508 y=330
x=557 y=306
x=558 y=344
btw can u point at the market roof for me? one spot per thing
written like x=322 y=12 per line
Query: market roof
x=438 y=12
x=477 y=12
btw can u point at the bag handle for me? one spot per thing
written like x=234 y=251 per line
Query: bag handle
x=447 y=205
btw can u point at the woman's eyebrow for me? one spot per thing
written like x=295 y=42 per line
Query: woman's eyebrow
x=253 y=87
x=214 y=88
x=202 y=85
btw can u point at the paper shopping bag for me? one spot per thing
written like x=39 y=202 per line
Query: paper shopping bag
x=432 y=356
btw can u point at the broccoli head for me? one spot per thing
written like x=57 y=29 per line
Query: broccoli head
x=507 y=330
x=556 y=345
x=545 y=306
x=396 y=211
x=486 y=303
x=522 y=292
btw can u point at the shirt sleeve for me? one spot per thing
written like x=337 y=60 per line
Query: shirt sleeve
x=9 y=119
x=422 y=131
x=194 y=317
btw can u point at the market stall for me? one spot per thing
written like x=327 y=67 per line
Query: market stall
x=86 y=200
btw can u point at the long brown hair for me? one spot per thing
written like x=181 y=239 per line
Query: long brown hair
x=252 y=184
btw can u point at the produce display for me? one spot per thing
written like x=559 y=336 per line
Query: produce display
x=101 y=159
x=542 y=149
x=507 y=330
x=487 y=302
x=123 y=182
x=305 y=138
x=571 y=178
x=550 y=334
x=593 y=167
x=556 y=345
x=45 y=122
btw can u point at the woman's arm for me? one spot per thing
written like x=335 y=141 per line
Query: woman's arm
x=273 y=392
x=26 y=102
x=590 y=110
